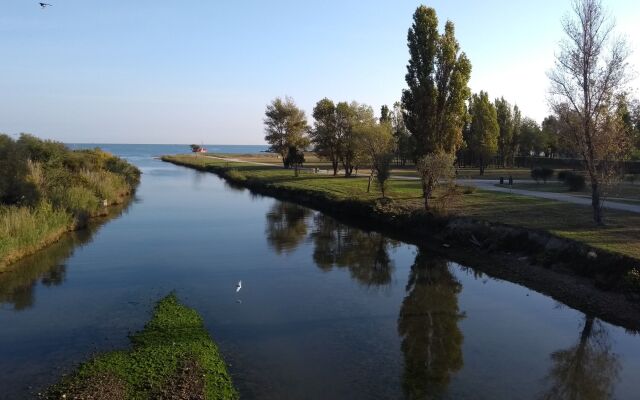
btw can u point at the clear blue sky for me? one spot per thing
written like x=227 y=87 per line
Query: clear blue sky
x=123 y=71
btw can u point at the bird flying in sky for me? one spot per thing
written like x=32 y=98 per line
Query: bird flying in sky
x=44 y=5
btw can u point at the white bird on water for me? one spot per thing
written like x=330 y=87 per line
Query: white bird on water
x=238 y=286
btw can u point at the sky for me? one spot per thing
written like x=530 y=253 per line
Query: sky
x=196 y=71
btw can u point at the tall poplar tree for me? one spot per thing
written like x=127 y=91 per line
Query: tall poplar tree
x=484 y=129
x=437 y=78
x=505 y=122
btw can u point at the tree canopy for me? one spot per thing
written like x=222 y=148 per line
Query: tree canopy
x=437 y=78
x=285 y=126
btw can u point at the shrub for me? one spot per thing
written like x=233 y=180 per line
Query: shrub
x=468 y=189
x=562 y=175
x=574 y=181
x=633 y=279
x=543 y=173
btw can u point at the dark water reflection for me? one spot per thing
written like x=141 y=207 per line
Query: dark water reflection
x=328 y=311
x=429 y=327
x=587 y=370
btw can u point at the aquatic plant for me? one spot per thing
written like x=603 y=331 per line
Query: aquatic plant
x=172 y=354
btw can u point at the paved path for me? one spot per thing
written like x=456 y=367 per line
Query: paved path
x=568 y=198
x=491 y=185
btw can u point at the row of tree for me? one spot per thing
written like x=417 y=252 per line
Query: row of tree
x=348 y=135
x=439 y=120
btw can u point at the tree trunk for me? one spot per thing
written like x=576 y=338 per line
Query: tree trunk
x=596 y=202
x=335 y=168
x=427 y=188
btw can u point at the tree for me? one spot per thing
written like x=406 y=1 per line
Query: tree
x=385 y=115
x=376 y=148
x=437 y=77
x=590 y=71
x=295 y=159
x=404 y=147
x=484 y=129
x=436 y=166
x=349 y=116
x=515 y=139
x=531 y=141
x=551 y=133
x=285 y=127
x=326 y=137
x=505 y=122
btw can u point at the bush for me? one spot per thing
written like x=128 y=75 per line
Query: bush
x=468 y=189
x=562 y=175
x=574 y=181
x=633 y=279
x=543 y=173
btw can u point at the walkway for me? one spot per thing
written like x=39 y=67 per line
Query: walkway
x=568 y=198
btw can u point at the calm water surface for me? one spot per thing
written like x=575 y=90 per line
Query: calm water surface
x=326 y=311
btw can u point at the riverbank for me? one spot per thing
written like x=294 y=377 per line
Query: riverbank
x=173 y=357
x=47 y=190
x=567 y=264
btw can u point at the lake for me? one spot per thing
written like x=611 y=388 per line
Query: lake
x=326 y=310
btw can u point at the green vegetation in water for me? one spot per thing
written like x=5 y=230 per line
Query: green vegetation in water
x=173 y=357
x=46 y=189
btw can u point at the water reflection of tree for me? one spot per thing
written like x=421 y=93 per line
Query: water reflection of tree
x=47 y=266
x=587 y=370
x=365 y=254
x=286 y=226
x=428 y=325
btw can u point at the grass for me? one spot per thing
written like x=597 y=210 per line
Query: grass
x=171 y=357
x=622 y=192
x=620 y=235
x=312 y=161
x=47 y=189
x=24 y=230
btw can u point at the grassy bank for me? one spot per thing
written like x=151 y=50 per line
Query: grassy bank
x=570 y=221
x=46 y=189
x=173 y=357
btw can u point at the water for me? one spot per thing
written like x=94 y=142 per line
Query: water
x=328 y=311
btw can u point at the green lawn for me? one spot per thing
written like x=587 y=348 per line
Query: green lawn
x=621 y=234
x=623 y=191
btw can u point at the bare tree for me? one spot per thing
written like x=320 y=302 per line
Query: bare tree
x=590 y=71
